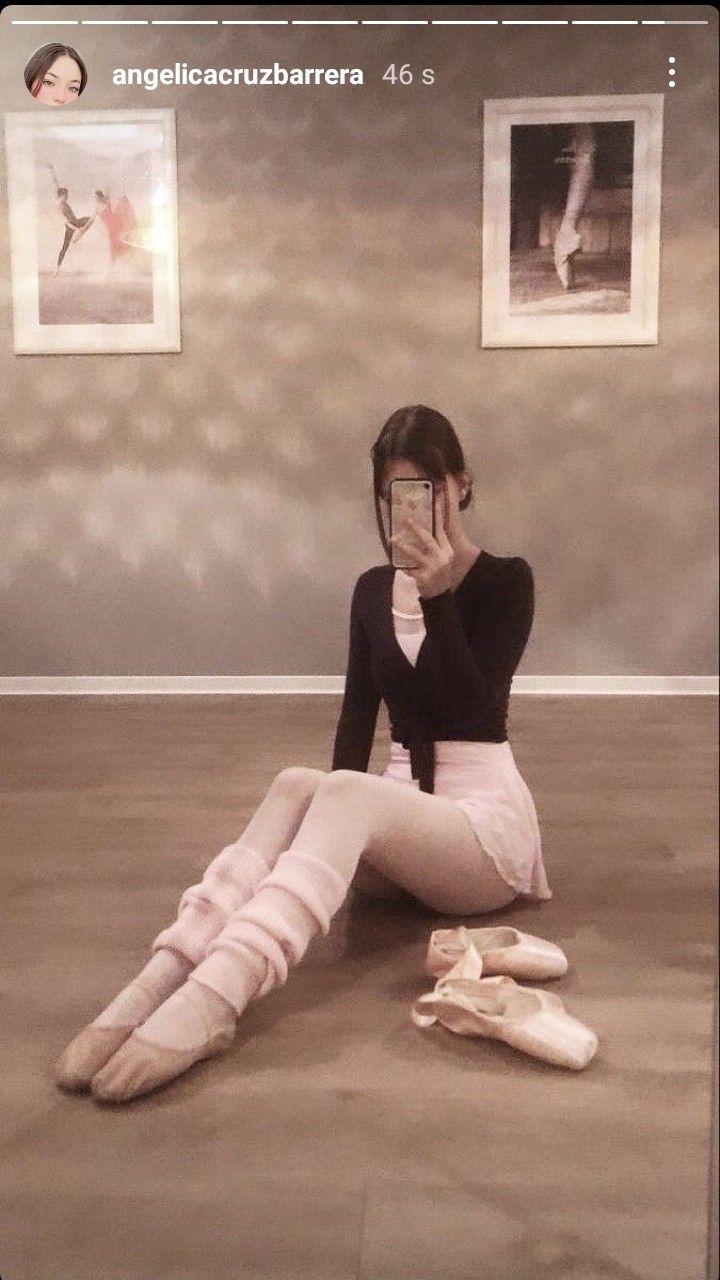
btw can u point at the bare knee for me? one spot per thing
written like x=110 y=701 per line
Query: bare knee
x=297 y=783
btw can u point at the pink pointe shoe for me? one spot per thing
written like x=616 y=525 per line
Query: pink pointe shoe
x=502 y=950
x=533 y=1021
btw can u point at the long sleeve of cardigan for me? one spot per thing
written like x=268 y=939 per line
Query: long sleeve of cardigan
x=477 y=672
x=358 y=716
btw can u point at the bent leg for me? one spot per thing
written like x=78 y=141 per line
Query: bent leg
x=84 y=225
x=424 y=843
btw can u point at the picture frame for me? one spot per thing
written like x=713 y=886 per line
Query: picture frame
x=571 y=221
x=93 y=231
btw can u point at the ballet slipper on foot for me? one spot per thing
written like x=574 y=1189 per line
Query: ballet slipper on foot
x=533 y=1021
x=102 y=1038
x=141 y=1066
x=502 y=950
x=193 y=1023
x=87 y=1053
x=567 y=244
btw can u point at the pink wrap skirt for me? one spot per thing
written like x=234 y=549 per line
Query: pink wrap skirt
x=484 y=780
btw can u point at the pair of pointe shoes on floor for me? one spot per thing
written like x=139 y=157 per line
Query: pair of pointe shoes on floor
x=476 y=993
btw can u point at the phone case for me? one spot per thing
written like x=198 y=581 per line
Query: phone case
x=410 y=497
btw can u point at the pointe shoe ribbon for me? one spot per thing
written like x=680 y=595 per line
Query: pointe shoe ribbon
x=502 y=950
x=528 y=1019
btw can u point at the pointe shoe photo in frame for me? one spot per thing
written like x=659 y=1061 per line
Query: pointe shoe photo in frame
x=568 y=243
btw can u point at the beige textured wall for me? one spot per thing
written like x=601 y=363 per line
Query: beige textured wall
x=207 y=512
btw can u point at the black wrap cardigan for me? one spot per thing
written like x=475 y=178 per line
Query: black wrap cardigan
x=459 y=688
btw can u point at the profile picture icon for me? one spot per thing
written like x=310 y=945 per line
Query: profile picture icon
x=56 y=75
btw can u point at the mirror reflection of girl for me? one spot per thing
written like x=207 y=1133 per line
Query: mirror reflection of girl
x=56 y=75
x=74 y=227
x=450 y=822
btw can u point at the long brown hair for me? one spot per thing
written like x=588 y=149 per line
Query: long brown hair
x=425 y=437
x=42 y=60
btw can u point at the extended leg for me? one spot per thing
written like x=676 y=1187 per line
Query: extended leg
x=568 y=241
x=67 y=241
x=424 y=843
x=204 y=909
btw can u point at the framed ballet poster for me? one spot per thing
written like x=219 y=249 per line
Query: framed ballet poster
x=93 y=231
x=571 y=221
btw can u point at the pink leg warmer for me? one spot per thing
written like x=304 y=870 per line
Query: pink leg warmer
x=272 y=931
x=205 y=908
x=232 y=877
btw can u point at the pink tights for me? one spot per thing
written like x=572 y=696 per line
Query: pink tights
x=264 y=897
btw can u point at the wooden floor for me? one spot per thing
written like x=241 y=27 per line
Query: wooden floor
x=335 y=1140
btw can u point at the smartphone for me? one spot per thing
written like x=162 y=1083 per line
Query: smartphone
x=410 y=498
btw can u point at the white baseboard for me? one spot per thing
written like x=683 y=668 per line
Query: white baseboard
x=614 y=685
x=576 y=686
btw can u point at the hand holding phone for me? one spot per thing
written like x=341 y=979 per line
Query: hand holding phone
x=414 y=499
x=426 y=541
